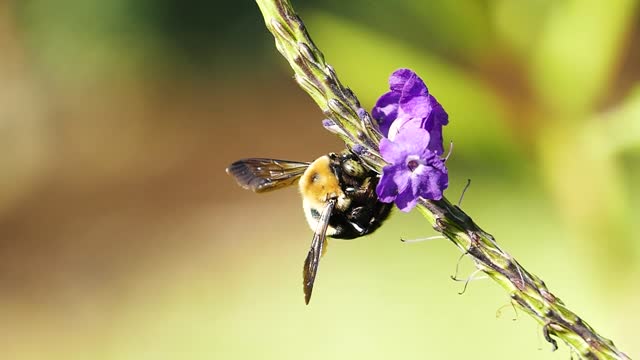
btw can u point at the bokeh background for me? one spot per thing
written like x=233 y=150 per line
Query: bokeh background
x=121 y=236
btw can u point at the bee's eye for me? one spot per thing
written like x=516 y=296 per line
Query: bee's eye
x=353 y=168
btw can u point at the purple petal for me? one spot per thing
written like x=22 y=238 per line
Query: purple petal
x=434 y=123
x=415 y=106
x=419 y=176
x=399 y=78
x=387 y=190
x=386 y=111
x=413 y=141
x=433 y=188
x=438 y=115
x=402 y=177
x=404 y=124
x=414 y=87
x=408 y=83
x=406 y=200
x=435 y=182
x=392 y=152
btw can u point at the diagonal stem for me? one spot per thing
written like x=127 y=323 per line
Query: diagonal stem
x=319 y=80
x=526 y=290
x=354 y=125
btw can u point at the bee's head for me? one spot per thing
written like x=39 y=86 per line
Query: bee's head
x=350 y=165
x=354 y=168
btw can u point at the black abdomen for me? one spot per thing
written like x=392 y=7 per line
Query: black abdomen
x=365 y=212
x=359 y=220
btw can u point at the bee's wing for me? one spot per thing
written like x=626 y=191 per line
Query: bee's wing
x=261 y=175
x=317 y=246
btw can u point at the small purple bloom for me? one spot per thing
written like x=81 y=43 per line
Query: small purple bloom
x=333 y=127
x=414 y=170
x=358 y=149
x=410 y=106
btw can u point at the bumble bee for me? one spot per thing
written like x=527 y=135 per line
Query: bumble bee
x=338 y=198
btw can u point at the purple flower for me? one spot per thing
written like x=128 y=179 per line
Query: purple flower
x=410 y=106
x=414 y=170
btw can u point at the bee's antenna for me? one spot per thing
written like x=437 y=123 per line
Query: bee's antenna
x=464 y=191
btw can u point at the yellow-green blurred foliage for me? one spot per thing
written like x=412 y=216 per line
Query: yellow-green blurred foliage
x=121 y=237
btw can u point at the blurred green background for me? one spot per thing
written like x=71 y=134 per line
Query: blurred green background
x=121 y=236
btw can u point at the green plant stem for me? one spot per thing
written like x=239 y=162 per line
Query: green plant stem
x=355 y=127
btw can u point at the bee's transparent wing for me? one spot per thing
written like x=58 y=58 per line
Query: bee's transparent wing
x=262 y=175
x=317 y=247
